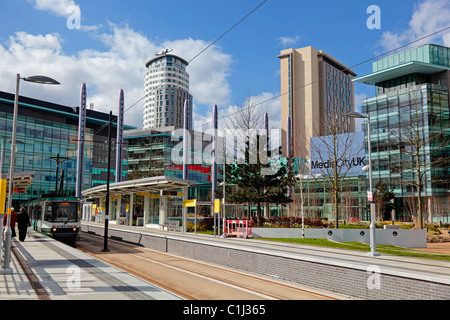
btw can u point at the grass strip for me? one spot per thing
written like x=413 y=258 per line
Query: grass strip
x=385 y=249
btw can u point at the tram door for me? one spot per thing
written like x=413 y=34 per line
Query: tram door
x=39 y=215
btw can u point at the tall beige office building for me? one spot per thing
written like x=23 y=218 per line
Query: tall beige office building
x=316 y=90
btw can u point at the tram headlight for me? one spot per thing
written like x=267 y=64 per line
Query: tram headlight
x=74 y=229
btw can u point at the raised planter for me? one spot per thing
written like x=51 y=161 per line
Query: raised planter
x=408 y=238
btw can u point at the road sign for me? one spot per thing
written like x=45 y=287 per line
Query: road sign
x=369 y=196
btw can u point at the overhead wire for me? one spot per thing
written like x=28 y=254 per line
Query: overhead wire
x=196 y=56
x=292 y=90
x=320 y=79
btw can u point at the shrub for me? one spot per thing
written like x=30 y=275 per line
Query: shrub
x=292 y=222
x=205 y=224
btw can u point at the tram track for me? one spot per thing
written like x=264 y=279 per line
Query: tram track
x=190 y=279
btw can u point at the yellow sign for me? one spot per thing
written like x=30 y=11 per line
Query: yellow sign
x=2 y=195
x=151 y=195
x=143 y=194
x=189 y=203
x=216 y=206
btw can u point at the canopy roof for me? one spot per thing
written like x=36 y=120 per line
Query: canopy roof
x=21 y=180
x=146 y=185
x=400 y=70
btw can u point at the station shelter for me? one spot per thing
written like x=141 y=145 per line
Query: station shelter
x=21 y=181
x=161 y=195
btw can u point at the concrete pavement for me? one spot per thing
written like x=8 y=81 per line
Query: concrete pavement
x=45 y=269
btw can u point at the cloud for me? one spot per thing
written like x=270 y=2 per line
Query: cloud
x=289 y=41
x=428 y=17
x=359 y=101
x=121 y=65
x=265 y=102
x=58 y=7
x=208 y=72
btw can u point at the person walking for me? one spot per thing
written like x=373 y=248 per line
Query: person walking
x=23 y=222
x=13 y=222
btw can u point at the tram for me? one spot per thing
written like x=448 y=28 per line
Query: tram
x=56 y=216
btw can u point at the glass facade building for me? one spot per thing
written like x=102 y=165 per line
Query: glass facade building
x=410 y=133
x=159 y=152
x=46 y=131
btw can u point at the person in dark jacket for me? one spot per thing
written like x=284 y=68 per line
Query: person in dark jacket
x=23 y=222
x=13 y=222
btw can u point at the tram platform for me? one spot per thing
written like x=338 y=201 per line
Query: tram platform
x=46 y=269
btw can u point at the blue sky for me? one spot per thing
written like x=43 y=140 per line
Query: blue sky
x=117 y=38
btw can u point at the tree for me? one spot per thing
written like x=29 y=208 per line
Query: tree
x=255 y=182
x=332 y=157
x=382 y=197
x=257 y=175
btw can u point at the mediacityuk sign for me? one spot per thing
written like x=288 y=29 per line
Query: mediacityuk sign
x=351 y=157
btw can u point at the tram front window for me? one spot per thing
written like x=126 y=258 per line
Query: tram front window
x=63 y=212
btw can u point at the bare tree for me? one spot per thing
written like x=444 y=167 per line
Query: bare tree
x=333 y=157
x=245 y=122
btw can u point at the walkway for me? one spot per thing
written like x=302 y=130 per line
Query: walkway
x=46 y=269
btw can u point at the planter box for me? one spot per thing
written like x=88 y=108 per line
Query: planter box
x=408 y=238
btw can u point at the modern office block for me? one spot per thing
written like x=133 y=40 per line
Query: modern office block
x=317 y=91
x=410 y=127
x=47 y=133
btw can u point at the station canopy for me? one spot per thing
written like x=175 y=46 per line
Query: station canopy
x=21 y=180
x=146 y=185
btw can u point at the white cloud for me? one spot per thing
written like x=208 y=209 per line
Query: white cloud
x=120 y=66
x=289 y=41
x=265 y=102
x=359 y=101
x=428 y=17
x=208 y=72
x=59 y=7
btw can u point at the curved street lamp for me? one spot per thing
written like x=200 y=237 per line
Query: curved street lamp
x=360 y=115
x=8 y=231
x=40 y=79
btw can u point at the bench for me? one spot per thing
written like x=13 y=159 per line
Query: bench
x=171 y=225
x=121 y=221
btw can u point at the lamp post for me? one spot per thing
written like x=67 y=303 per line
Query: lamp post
x=105 y=236
x=8 y=231
x=373 y=251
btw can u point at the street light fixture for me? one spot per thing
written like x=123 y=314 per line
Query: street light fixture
x=360 y=115
x=7 y=247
